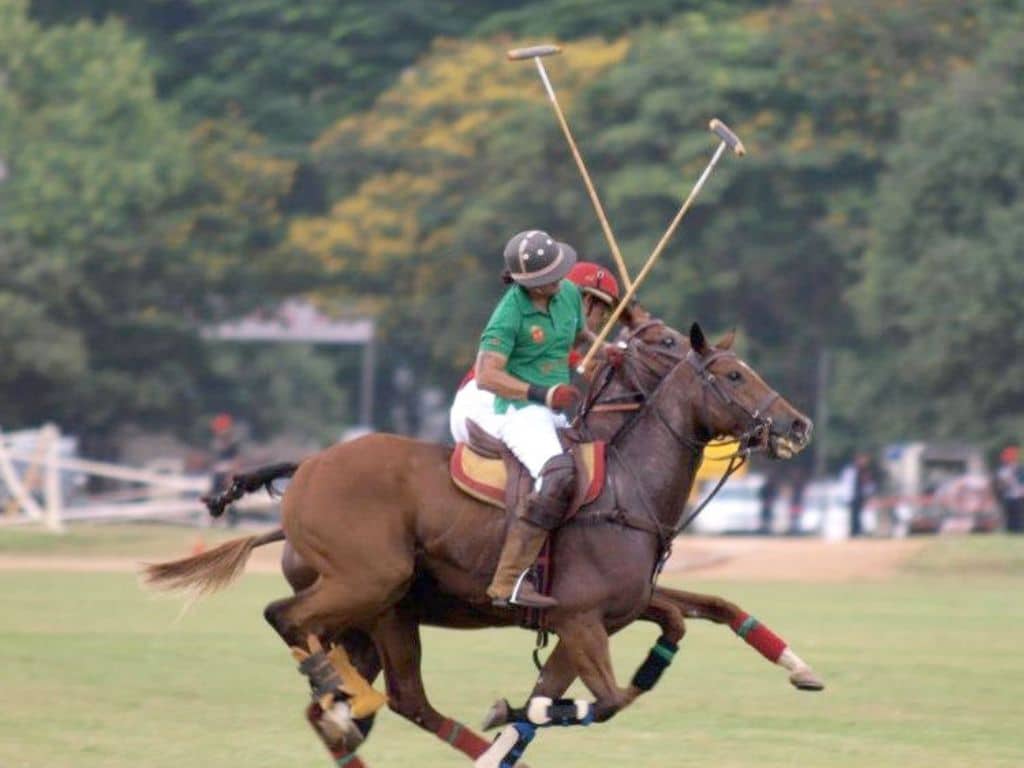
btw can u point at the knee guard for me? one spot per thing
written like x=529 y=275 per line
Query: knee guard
x=546 y=508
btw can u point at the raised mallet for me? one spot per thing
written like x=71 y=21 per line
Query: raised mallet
x=728 y=139
x=536 y=52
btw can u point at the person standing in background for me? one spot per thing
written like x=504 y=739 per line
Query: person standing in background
x=225 y=449
x=1010 y=487
x=858 y=480
x=767 y=494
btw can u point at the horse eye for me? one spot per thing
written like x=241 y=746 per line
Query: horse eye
x=734 y=376
x=668 y=341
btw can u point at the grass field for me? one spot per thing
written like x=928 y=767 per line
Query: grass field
x=922 y=670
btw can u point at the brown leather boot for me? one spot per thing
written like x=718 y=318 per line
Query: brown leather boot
x=510 y=584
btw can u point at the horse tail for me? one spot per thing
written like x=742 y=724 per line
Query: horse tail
x=248 y=482
x=208 y=571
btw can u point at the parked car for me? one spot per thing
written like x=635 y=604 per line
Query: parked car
x=736 y=508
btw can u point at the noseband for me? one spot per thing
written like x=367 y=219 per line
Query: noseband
x=758 y=431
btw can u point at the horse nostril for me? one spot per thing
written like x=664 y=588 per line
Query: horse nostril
x=800 y=429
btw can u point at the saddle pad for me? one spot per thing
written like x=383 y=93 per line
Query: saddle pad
x=484 y=479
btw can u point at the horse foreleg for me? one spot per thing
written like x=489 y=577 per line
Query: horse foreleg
x=555 y=677
x=397 y=638
x=588 y=649
x=757 y=635
x=342 y=697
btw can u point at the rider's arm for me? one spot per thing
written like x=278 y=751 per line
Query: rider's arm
x=492 y=376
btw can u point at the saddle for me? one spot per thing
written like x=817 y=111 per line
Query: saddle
x=487 y=470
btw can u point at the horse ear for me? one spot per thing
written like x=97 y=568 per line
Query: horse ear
x=698 y=343
x=726 y=341
x=634 y=315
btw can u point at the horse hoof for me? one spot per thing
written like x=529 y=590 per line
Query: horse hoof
x=806 y=680
x=497 y=715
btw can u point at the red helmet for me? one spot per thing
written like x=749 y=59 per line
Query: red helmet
x=1010 y=454
x=596 y=280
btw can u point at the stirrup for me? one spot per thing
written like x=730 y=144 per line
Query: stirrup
x=538 y=600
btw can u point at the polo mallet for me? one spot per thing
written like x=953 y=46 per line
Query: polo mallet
x=536 y=52
x=728 y=139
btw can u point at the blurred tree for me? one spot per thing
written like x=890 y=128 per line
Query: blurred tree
x=771 y=244
x=120 y=233
x=451 y=162
x=942 y=290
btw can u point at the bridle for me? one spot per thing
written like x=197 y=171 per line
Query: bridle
x=754 y=438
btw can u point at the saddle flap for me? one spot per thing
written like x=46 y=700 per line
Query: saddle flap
x=486 y=479
x=484 y=443
x=481 y=477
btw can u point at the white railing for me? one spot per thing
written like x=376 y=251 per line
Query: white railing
x=161 y=495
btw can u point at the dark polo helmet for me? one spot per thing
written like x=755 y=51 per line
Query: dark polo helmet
x=534 y=258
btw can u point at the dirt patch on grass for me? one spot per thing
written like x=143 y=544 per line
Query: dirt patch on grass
x=721 y=558
x=790 y=559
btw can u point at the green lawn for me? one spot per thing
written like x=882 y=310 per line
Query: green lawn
x=99 y=540
x=924 y=670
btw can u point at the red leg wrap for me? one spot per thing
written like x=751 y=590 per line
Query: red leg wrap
x=342 y=758
x=767 y=643
x=462 y=738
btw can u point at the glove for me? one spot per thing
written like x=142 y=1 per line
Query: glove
x=562 y=397
x=614 y=354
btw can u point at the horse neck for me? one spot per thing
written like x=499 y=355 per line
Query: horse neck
x=656 y=457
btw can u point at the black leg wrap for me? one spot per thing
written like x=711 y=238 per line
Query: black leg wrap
x=659 y=657
x=323 y=677
x=564 y=712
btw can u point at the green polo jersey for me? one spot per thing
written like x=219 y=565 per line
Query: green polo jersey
x=536 y=343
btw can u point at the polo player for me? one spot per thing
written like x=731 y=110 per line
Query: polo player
x=523 y=361
x=600 y=292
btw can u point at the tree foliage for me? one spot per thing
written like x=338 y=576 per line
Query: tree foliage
x=942 y=290
x=169 y=163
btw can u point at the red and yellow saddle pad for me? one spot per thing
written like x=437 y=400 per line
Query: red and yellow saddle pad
x=485 y=479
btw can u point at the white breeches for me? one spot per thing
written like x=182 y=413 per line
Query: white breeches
x=529 y=432
x=477 y=404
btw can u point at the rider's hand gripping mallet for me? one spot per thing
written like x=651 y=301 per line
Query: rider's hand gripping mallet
x=728 y=139
x=536 y=52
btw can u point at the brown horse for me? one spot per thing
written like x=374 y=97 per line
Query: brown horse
x=374 y=517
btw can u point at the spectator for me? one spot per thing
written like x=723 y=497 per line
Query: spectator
x=796 y=501
x=859 y=483
x=767 y=494
x=225 y=449
x=1010 y=486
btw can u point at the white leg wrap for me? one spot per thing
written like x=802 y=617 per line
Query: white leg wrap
x=499 y=748
x=537 y=710
x=791 y=661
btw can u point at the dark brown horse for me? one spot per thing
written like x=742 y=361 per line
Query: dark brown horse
x=379 y=516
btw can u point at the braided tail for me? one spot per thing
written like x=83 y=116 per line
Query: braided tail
x=248 y=482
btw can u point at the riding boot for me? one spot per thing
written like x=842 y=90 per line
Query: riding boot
x=542 y=512
x=511 y=583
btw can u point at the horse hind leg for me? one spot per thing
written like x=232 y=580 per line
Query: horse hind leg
x=756 y=634
x=341 y=695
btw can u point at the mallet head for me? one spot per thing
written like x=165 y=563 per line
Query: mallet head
x=723 y=132
x=533 y=52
